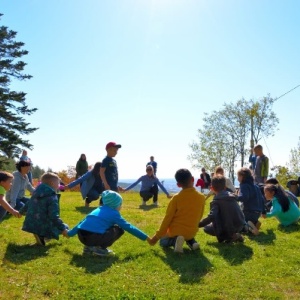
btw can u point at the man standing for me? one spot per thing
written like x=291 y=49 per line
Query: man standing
x=153 y=164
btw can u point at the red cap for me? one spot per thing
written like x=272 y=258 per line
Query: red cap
x=112 y=144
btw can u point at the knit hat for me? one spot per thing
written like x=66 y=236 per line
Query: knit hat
x=111 y=199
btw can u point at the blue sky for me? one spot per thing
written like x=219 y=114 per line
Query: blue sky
x=142 y=73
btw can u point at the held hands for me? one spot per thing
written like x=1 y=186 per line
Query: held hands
x=120 y=189
x=152 y=241
x=263 y=216
x=169 y=196
x=65 y=233
x=16 y=214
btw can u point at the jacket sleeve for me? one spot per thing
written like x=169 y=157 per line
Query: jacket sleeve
x=211 y=216
x=53 y=214
x=80 y=179
x=133 y=184
x=162 y=187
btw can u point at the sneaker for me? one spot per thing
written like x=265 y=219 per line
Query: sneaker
x=155 y=204
x=87 y=250
x=237 y=237
x=86 y=204
x=257 y=225
x=144 y=203
x=193 y=245
x=252 y=228
x=179 y=244
x=101 y=251
x=39 y=240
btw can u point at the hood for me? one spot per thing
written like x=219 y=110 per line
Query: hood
x=43 y=190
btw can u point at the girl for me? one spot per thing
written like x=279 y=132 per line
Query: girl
x=251 y=198
x=283 y=207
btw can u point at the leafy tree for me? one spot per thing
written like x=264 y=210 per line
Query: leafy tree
x=223 y=138
x=8 y=165
x=13 y=108
x=37 y=172
x=295 y=159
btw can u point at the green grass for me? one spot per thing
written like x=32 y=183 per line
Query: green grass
x=263 y=267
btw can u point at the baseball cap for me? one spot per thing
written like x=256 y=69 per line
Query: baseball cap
x=112 y=144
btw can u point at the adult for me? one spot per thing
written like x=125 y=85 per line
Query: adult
x=206 y=178
x=229 y=185
x=147 y=189
x=16 y=195
x=91 y=185
x=24 y=157
x=81 y=166
x=261 y=170
x=152 y=163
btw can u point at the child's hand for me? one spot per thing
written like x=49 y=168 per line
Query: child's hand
x=65 y=233
x=16 y=214
x=152 y=241
x=263 y=216
x=120 y=189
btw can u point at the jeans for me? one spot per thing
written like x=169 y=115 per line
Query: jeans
x=153 y=192
x=19 y=204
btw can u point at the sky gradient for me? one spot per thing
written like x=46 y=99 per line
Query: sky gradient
x=142 y=74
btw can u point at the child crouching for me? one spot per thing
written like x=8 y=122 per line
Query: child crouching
x=104 y=225
x=42 y=211
x=226 y=219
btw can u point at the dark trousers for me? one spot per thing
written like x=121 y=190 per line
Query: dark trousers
x=166 y=242
x=102 y=240
x=153 y=192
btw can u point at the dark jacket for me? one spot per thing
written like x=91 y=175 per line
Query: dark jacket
x=225 y=215
x=81 y=167
x=207 y=184
x=42 y=213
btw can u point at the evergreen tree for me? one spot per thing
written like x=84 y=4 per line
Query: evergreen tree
x=13 y=126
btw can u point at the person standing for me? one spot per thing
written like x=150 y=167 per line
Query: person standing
x=24 y=157
x=206 y=178
x=153 y=164
x=261 y=170
x=109 y=168
x=81 y=166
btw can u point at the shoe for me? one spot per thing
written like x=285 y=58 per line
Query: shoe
x=39 y=240
x=252 y=228
x=87 y=250
x=237 y=237
x=101 y=251
x=193 y=245
x=86 y=204
x=144 y=203
x=257 y=225
x=179 y=244
x=155 y=204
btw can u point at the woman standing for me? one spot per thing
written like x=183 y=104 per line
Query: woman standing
x=81 y=166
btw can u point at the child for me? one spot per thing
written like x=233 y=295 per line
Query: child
x=104 y=225
x=226 y=218
x=42 y=211
x=5 y=184
x=183 y=214
x=283 y=207
x=261 y=170
x=109 y=169
x=229 y=185
x=149 y=186
x=251 y=198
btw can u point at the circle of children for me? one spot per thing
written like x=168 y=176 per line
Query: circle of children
x=232 y=212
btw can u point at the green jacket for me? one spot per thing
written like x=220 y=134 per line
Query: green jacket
x=81 y=167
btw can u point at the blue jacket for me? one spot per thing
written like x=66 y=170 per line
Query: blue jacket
x=87 y=181
x=104 y=217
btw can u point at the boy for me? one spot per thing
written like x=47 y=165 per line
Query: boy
x=109 y=169
x=183 y=214
x=42 y=211
x=261 y=170
x=226 y=218
x=5 y=184
x=104 y=225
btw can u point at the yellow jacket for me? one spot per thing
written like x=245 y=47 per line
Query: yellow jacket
x=183 y=214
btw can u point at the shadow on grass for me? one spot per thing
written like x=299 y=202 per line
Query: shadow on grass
x=147 y=207
x=19 y=254
x=191 y=266
x=264 y=238
x=84 y=210
x=93 y=264
x=289 y=229
x=235 y=254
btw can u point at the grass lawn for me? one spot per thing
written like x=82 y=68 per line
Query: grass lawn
x=263 y=267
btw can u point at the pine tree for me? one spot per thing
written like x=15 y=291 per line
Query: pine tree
x=13 y=108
